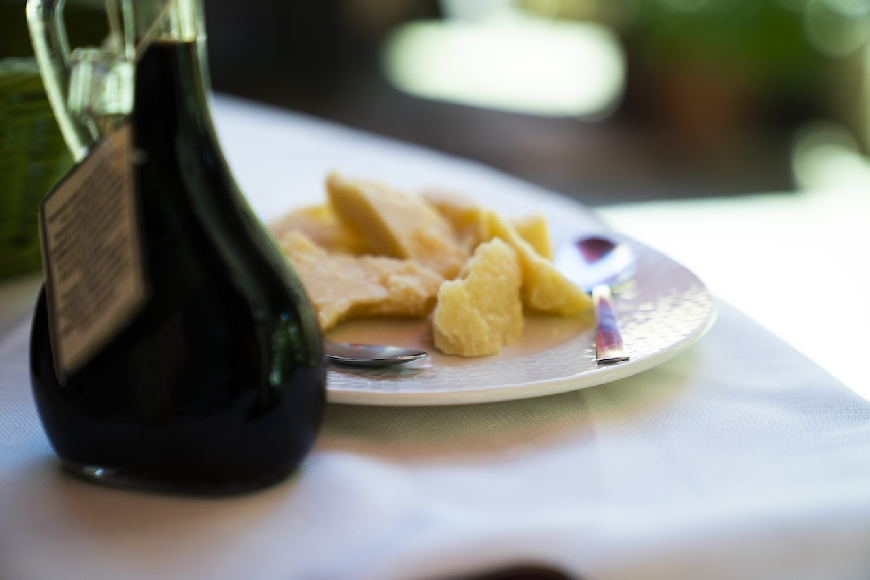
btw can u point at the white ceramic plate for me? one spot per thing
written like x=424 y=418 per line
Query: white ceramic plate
x=281 y=159
x=662 y=311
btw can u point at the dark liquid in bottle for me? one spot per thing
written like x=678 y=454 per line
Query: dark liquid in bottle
x=217 y=384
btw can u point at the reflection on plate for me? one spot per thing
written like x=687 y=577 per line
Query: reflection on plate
x=662 y=311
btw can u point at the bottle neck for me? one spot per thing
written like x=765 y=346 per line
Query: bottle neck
x=102 y=80
x=160 y=20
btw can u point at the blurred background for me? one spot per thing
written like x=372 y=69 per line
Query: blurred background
x=603 y=100
x=731 y=135
x=607 y=101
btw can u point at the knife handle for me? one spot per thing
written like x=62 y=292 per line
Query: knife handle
x=608 y=339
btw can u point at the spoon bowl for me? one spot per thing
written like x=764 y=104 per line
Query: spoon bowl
x=369 y=355
x=594 y=260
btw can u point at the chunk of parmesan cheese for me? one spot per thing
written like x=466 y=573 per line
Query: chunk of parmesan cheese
x=481 y=311
x=533 y=229
x=341 y=286
x=544 y=288
x=397 y=224
x=320 y=224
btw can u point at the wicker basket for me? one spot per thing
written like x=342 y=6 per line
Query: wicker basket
x=33 y=157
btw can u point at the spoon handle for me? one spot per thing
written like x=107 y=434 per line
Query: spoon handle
x=608 y=339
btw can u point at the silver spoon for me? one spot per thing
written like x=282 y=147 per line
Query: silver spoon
x=596 y=264
x=369 y=355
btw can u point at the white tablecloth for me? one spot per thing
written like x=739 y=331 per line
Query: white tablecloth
x=738 y=459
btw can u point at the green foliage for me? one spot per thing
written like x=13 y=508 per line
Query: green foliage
x=33 y=157
x=758 y=39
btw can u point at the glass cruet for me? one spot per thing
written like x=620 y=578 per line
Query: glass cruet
x=212 y=381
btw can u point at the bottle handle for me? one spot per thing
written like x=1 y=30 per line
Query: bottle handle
x=50 y=45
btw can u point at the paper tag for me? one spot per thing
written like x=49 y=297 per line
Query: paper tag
x=92 y=253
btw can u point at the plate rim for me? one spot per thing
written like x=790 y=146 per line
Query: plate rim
x=503 y=393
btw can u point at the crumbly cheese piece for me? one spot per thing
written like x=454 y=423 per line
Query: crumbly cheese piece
x=464 y=214
x=320 y=224
x=342 y=286
x=544 y=289
x=397 y=224
x=481 y=311
x=533 y=229
x=461 y=211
